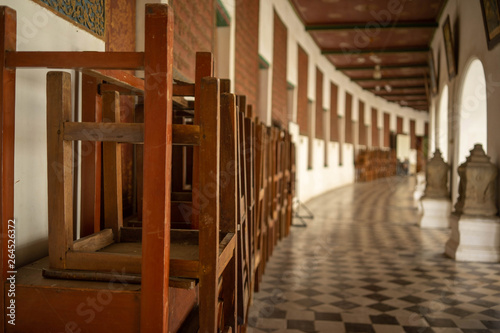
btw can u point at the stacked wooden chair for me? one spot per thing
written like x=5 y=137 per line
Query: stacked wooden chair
x=214 y=190
x=149 y=253
x=260 y=197
x=374 y=164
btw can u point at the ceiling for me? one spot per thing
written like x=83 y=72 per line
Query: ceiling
x=382 y=45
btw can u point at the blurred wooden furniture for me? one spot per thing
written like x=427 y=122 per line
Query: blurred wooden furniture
x=375 y=164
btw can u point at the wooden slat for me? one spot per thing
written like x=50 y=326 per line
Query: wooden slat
x=243 y=241
x=182 y=283
x=94 y=242
x=71 y=274
x=119 y=78
x=226 y=239
x=60 y=168
x=159 y=40
x=181 y=196
x=228 y=198
x=225 y=86
x=76 y=60
x=229 y=293
x=8 y=24
x=183 y=90
x=43 y=307
x=105 y=132
x=228 y=155
x=112 y=168
x=259 y=203
x=120 y=89
x=104 y=261
x=249 y=160
x=208 y=170
x=185 y=135
x=226 y=251
x=204 y=68
x=185 y=268
x=90 y=161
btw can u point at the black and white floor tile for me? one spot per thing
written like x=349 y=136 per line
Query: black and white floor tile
x=364 y=265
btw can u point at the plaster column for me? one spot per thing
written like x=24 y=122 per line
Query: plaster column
x=436 y=203
x=475 y=235
x=419 y=189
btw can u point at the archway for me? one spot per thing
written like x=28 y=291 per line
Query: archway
x=442 y=137
x=473 y=110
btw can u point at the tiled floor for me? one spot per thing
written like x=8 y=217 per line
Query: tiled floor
x=363 y=265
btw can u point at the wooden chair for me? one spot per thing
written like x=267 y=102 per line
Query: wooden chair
x=282 y=183
x=292 y=183
x=82 y=254
x=260 y=196
x=217 y=239
x=271 y=192
x=115 y=248
x=201 y=247
x=243 y=219
x=289 y=183
x=249 y=154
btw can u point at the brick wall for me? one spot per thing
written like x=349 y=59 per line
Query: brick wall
x=247 y=50
x=413 y=136
x=302 y=102
x=375 y=136
x=334 y=118
x=399 y=125
x=363 y=140
x=193 y=32
x=279 y=104
x=387 y=130
x=348 y=118
x=319 y=104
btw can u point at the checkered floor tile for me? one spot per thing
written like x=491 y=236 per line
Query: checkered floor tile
x=363 y=265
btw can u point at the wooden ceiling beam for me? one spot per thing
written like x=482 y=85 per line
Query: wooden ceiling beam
x=374 y=51
x=413 y=97
x=420 y=86
x=413 y=103
x=391 y=94
x=372 y=26
x=382 y=67
x=388 y=78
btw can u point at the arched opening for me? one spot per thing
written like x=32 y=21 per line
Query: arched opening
x=472 y=110
x=442 y=135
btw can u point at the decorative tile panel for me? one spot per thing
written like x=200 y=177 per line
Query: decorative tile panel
x=89 y=14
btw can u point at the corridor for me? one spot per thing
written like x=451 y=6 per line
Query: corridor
x=364 y=265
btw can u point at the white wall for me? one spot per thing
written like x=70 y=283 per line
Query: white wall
x=473 y=111
x=320 y=178
x=38 y=30
x=467 y=24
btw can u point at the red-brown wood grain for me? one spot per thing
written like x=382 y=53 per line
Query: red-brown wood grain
x=157 y=166
x=8 y=21
x=91 y=161
x=209 y=213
